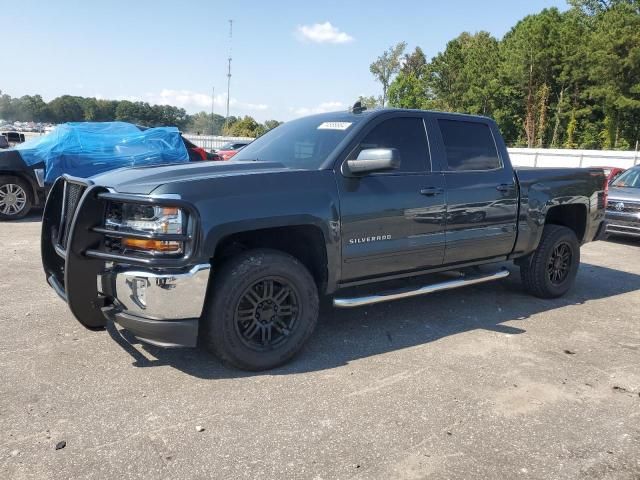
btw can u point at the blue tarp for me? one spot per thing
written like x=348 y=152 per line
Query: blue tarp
x=84 y=149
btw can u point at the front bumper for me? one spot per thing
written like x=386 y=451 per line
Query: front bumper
x=623 y=223
x=158 y=301
x=160 y=308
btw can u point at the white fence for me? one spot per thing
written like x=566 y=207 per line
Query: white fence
x=521 y=157
x=545 y=157
x=209 y=142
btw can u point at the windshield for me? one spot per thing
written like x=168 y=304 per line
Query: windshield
x=630 y=178
x=305 y=143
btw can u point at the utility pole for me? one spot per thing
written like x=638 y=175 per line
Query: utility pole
x=229 y=68
x=213 y=100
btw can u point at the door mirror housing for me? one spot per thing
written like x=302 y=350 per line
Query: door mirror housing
x=374 y=160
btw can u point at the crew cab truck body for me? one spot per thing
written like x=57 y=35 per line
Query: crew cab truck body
x=234 y=255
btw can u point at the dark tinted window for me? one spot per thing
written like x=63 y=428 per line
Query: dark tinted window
x=405 y=134
x=469 y=145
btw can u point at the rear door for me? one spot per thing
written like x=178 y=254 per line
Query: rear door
x=482 y=194
x=393 y=221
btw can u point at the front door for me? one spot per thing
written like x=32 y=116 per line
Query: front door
x=393 y=221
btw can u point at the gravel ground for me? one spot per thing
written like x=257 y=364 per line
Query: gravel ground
x=485 y=382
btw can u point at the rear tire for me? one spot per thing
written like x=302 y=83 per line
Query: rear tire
x=550 y=271
x=263 y=307
x=16 y=198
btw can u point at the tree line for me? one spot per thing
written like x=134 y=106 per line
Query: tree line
x=557 y=79
x=68 y=108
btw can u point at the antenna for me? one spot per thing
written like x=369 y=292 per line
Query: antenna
x=229 y=67
x=358 y=107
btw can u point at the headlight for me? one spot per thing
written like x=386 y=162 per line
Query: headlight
x=147 y=219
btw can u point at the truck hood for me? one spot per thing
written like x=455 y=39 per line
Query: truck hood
x=144 y=180
x=624 y=194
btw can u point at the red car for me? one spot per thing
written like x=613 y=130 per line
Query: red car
x=612 y=173
x=198 y=153
x=229 y=149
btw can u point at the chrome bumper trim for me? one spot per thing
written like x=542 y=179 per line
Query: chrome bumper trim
x=158 y=296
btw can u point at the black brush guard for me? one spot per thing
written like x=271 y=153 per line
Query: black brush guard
x=73 y=206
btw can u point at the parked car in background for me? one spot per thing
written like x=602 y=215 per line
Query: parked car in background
x=198 y=153
x=82 y=149
x=623 y=206
x=14 y=138
x=612 y=173
x=229 y=149
x=4 y=143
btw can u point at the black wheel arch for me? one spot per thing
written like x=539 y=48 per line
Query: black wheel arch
x=305 y=242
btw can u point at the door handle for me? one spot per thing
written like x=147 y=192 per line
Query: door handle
x=504 y=187
x=431 y=191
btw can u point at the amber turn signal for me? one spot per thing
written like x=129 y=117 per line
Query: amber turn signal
x=151 y=245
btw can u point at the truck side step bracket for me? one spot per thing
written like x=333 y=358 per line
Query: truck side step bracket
x=424 y=290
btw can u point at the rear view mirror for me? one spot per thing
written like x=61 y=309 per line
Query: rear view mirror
x=374 y=160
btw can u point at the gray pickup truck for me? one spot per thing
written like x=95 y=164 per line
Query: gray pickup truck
x=234 y=256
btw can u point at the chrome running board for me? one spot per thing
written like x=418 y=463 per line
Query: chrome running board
x=436 y=287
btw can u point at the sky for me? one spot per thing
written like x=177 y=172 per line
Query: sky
x=290 y=58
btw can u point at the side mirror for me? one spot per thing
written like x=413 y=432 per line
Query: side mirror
x=374 y=160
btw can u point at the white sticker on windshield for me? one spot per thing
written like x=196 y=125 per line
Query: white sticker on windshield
x=334 y=125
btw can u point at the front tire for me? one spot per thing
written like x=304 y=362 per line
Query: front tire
x=263 y=307
x=15 y=198
x=550 y=271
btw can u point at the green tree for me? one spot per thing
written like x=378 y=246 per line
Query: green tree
x=271 y=124
x=66 y=108
x=613 y=55
x=407 y=91
x=593 y=7
x=414 y=63
x=530 y=55
x=244 y=127
x=463 y=77
x=205 y=124
x=386 y=66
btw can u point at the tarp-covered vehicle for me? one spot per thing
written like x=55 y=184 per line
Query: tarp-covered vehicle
x=80 y=149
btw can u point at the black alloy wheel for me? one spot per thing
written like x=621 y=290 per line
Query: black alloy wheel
x=550 y=271
x=267 y=313
x=262 y=307
x=559 y=264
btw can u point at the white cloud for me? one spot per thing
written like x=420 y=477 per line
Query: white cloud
x=256 y=106
x=321 y=108
x=322 y=33
x=196 y=101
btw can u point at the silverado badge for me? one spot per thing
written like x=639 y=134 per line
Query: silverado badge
x=376 y=238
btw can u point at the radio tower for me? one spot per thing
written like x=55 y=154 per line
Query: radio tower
x=229 y=68
x=213 y=100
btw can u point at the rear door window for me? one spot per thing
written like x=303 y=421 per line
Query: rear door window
x=469 y=145
x=407 y=135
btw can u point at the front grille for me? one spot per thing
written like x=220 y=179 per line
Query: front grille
x=71 y=197
x=623 y=206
